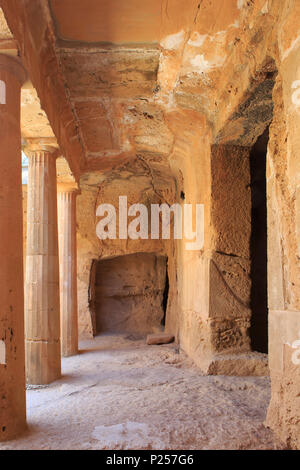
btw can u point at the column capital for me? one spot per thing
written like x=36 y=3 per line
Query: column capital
x=14 y=66
x=68 y=188
x=47 y=145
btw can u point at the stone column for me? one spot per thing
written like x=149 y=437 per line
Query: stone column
x=42 y=314
x=12 y=356
x=67 y=194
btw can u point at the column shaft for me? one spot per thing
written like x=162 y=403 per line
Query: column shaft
x=68 y=271
x=42 y=314
x=12 y=355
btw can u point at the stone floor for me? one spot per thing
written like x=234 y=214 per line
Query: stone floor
x=119 y=393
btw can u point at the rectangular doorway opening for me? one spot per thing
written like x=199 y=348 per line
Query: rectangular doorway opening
x=130 y=294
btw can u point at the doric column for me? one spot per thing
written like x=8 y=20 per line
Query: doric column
x=67 y=194
x=12 y=357
x=42 y=314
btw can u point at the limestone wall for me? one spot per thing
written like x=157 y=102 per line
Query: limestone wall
x=188 y=312
x=132 y=183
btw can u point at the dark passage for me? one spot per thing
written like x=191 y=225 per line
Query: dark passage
x=259 y=300
x=165 y=298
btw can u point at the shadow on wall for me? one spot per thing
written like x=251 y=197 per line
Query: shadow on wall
x=258 y=245
x=128 y=294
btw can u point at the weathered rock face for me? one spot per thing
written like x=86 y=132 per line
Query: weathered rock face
x=128 y=294
x=230 y=265
x=163 y=104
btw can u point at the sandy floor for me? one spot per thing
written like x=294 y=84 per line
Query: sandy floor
x=119 y=393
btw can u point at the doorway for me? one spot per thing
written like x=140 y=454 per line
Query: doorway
x=129 y=293
x=258 y=245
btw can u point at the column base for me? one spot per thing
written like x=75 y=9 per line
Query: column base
x=70 y=353
x=43 y=362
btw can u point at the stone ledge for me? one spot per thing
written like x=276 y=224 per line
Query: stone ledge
x=241 y=365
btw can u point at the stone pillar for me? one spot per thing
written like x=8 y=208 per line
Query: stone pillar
x=67 y=194
x=12 y=356
x=42 y=314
